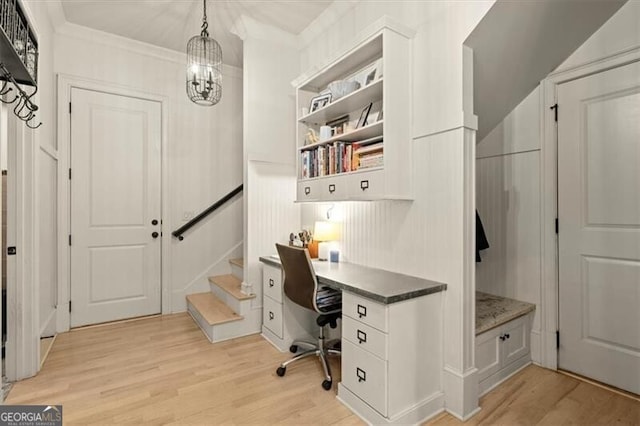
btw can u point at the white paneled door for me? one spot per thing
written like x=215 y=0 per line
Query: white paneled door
x=115 y=207
x=599 y=218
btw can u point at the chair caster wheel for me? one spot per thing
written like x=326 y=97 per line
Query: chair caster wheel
x=326 y=384
x=281 y=370
x=293 y=349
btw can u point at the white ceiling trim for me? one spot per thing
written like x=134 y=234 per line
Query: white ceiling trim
x=247 y=27
x=138 y=47
x=324 y=21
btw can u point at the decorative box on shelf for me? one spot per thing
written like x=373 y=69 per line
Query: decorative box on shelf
x=357 y=146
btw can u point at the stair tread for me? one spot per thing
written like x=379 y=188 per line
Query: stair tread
x=239 y=262
x=232 y=285
x=212 y=309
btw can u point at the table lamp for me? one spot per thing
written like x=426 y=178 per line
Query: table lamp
x=324 y=233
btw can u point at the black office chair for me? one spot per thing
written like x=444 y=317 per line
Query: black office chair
x=301 y=287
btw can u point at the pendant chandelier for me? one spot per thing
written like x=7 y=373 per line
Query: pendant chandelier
x=204 y=67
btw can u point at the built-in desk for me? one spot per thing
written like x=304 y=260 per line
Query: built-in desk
x=391 y=338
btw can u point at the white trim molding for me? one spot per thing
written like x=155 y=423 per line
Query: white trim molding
x=549 y=185
x=65 y=84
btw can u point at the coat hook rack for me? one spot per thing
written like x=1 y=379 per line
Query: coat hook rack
x=24 y=107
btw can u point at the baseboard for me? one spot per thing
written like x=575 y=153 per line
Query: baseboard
x=418 y=414
x=491 y=382
x=461 y=392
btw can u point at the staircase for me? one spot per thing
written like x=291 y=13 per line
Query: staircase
x=225 y=312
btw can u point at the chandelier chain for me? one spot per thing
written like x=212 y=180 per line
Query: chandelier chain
x=205 y=24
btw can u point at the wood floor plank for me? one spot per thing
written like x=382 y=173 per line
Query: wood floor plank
x=162 y=370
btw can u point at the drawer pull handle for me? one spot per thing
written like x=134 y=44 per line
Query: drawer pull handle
x=271 y=316
x=506 y=336
x=271 y=284
x=362 y=337
x=332 y=188
x=362 y=311
x=362 y=375
x=364 y=184
x=307 y=190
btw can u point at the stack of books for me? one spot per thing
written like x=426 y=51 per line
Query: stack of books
x=368 y=156
x=328 y=299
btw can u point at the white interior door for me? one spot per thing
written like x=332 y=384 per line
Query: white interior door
x=599 y=218
x=115 y=207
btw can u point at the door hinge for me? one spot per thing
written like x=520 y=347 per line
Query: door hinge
x=558 y=339
x=557 y=226
x=555 y=110
x=69 y=107
x=69 y=305
x=69 y=173
x=69 y=239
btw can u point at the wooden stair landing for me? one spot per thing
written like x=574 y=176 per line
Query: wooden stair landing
x=232 y=285
x=212 y=309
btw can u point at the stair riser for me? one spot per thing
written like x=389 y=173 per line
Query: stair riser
x=226 y=331
x=239 y=306
x=237 y=271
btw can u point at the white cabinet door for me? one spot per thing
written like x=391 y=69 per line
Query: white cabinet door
x=515 y=343
x=488 y=348
x=365 y=375
x=308 y=190
x=367 y=185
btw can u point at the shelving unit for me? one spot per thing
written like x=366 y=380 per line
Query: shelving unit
x=18 y=44
x=389 y=92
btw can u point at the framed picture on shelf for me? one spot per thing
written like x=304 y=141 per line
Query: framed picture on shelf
x=363 y=116
x=370 y=77
x=320 y=101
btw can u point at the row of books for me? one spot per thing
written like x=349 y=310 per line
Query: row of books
x=328 y=299
x=340 y=157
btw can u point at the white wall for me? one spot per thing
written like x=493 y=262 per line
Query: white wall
x=428 y=236
x=203 y=147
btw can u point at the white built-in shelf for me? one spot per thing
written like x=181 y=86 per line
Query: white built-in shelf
x=361 y=134
x=351 y=61
x=354 y=172
x=352 y=102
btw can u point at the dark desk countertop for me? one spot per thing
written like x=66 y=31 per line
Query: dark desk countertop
x=376 y=284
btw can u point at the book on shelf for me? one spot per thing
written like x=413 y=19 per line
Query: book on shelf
x=340 y=157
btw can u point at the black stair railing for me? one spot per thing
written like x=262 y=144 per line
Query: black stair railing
x=215 y=206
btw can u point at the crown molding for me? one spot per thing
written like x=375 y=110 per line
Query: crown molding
x=71 y=30
x=246 y=27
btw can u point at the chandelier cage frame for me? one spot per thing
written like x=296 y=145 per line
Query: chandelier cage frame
x=204 y=66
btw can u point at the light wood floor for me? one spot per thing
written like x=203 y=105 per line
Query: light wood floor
x=162 y=370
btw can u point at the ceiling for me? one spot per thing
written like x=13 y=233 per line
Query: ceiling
x=170 y=23
x=519 y=42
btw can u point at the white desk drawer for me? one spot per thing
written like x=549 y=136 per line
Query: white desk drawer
x=365 y=375
x=367 y=185
x=365 y=310
x=365 y=337
x=272 y=315
x=272 y=282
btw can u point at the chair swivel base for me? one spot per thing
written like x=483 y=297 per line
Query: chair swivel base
x=319 y=350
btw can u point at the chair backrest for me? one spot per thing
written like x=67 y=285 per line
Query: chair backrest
x=300 y=282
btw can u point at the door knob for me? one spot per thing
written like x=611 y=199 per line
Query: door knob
x=154 y=234
x=154 y=222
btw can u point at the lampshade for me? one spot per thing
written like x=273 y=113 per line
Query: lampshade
x=204 y=67
x=325 y=231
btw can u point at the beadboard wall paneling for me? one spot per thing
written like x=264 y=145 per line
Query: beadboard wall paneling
x=274 y=215
x=508 y=201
